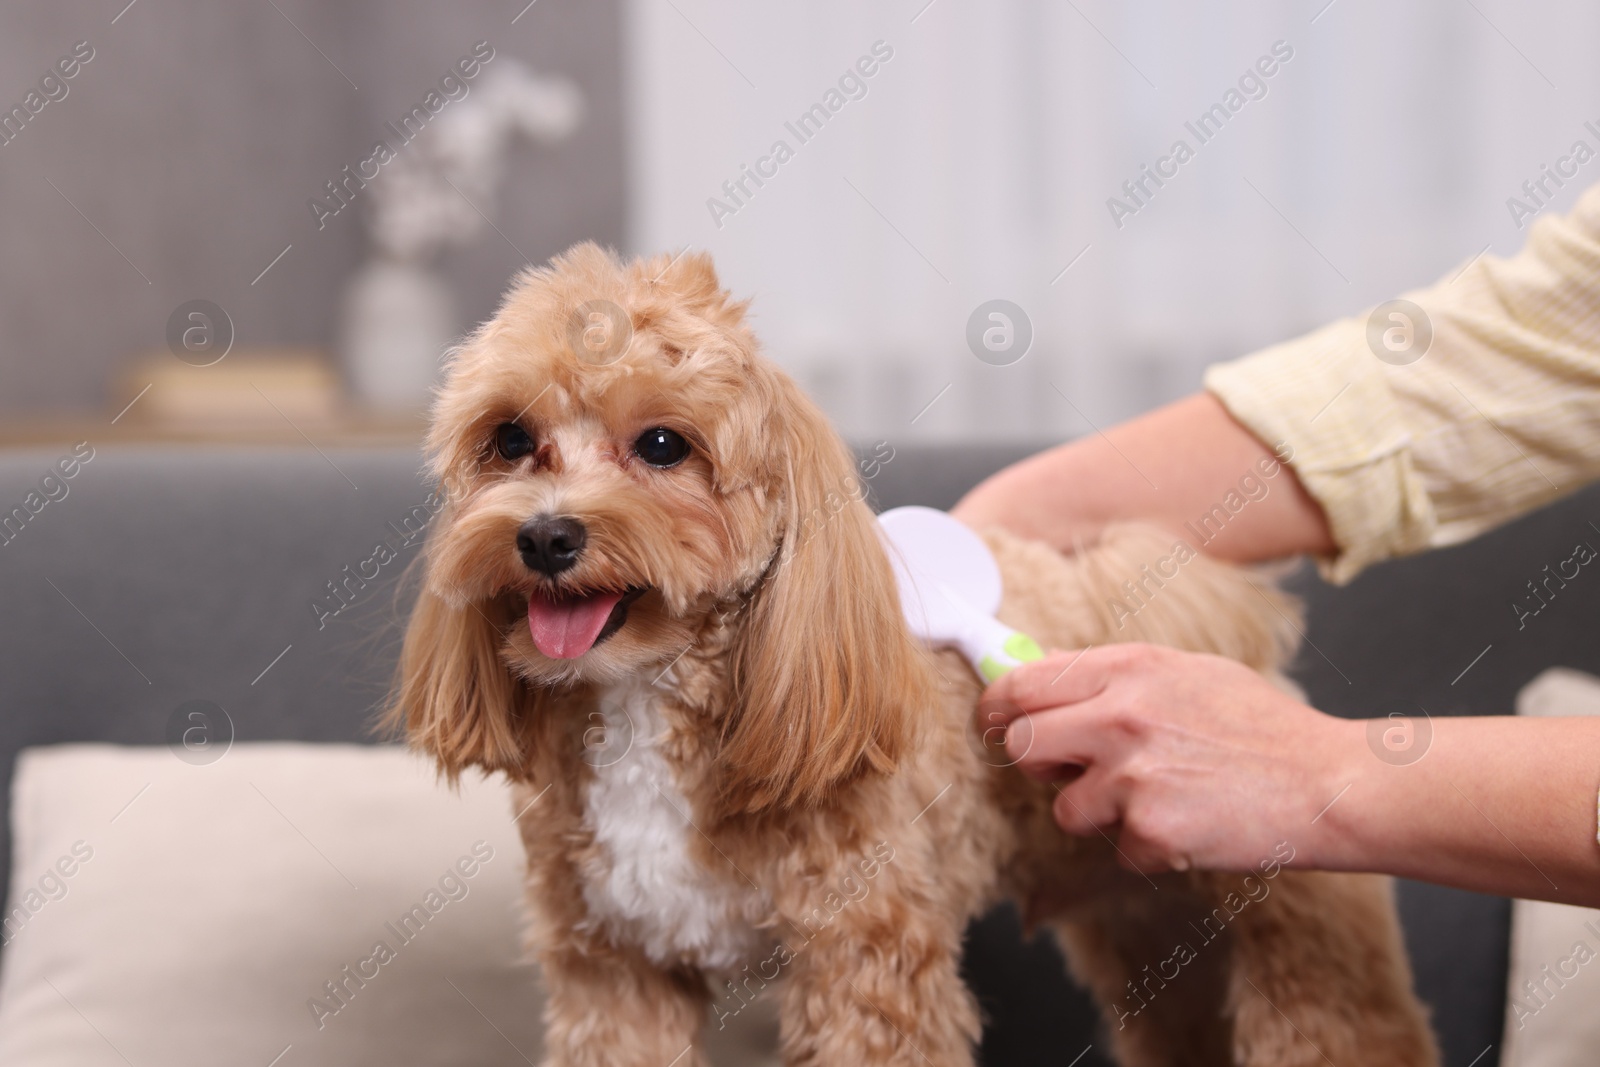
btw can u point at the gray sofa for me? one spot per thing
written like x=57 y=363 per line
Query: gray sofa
x=166 y=575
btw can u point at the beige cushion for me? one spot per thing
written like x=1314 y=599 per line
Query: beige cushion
x=192 y=915
x=1555 y=948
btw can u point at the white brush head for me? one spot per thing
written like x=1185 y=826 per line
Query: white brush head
x=947 y=575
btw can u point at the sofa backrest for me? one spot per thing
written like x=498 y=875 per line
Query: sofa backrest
x=156 y=576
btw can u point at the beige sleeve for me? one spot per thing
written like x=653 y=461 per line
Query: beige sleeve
x=1500 y=415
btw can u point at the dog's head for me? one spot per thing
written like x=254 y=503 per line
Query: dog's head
x=625 y=475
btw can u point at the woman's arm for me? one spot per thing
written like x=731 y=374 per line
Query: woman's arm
x=1480 y=409
x=1170 y=467
x=1196 y=761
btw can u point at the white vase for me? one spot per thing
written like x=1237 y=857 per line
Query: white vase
x=397 y=320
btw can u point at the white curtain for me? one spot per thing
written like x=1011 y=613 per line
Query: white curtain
x=979 y=162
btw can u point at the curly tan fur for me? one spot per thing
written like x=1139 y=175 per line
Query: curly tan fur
x=836 y=808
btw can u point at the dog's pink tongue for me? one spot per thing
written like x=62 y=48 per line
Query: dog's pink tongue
x=566 y=629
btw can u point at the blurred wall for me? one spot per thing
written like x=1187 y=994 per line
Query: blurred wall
x=977 y=161
x=194 y=138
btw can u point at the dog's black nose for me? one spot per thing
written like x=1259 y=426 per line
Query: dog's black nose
x=550 y=544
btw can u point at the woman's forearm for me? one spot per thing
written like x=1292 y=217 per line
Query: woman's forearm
x=1497 y=804
x=1175 y=466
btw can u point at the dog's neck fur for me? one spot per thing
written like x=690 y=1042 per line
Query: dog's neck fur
x=654 y=790
x=699 y=678
x=647 y=799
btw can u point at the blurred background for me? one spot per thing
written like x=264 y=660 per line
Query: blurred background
x=969 y=227
x=185 y=161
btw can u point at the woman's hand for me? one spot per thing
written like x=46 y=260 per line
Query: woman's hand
x=1187 y=760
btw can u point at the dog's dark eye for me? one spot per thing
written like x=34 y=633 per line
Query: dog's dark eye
x=661 y=447
x=512 y=441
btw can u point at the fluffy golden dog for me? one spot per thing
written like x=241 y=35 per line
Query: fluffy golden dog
x=656 y=601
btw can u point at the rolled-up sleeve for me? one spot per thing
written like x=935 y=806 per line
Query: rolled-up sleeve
x=1500 y=415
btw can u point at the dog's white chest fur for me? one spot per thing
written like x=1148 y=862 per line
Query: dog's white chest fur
x=648 y=889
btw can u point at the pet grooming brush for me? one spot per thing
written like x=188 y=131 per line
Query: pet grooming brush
x=950 y=589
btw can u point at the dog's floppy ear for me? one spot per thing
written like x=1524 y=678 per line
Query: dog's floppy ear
x=826 y=681
x=454 y=698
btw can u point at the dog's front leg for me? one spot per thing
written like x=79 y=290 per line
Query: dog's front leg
x=611 y=1007
x=875 y=982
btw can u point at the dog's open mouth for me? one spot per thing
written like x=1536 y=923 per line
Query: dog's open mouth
x=565 y=627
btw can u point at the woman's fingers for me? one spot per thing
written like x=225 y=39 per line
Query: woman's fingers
x=1046 y=744
x=1071 y=709
x=1099 y=803
x=1088 y=806
x=1062 y=677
